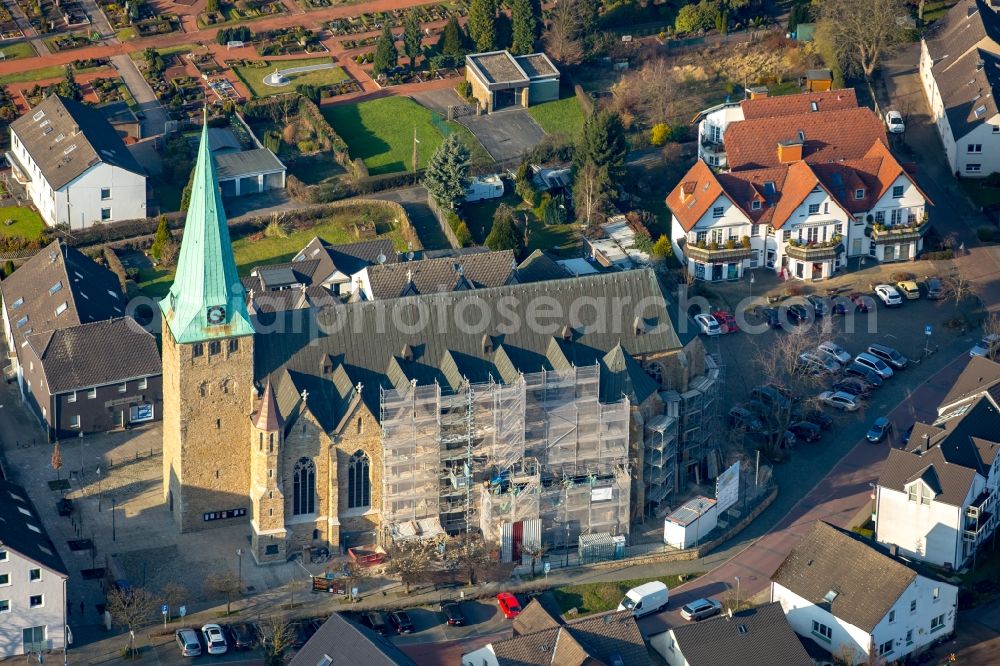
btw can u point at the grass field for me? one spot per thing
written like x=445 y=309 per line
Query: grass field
x=979 y=193
x=590 y=598
x=19 y=51
x=26 y=222
x=253 y=77
x=40 y=74
x=562 y=116
x=250 y=251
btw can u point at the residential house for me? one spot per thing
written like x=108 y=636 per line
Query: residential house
x=82 y=364
x=936 y=500
x=859 y=600
x=74 y=166
x=32 y=580
x=341 y=641
x=806 y=192
x=544 y=638
x=960 y=72
x=759 y=635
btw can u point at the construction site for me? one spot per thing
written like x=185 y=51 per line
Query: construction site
x=539 y=460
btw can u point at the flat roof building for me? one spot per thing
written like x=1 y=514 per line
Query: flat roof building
x=500 y=80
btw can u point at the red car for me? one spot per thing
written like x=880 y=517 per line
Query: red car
x=509 y=605
x=727 y=322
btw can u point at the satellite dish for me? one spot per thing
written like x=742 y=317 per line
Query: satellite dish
x=409 y=256
x=381 y=259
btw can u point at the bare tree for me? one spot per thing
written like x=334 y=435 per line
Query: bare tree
x=295 y=586
x=224 y=584
x=991 y=336
x=590 y=192
x=535 y=551
x=561 y=39
x=131 y=608
x=356 y=572
x=649 y=92
x=863 y=32
x=410 y=560
x=474 y=555
x=56 y=461
x=276 y=637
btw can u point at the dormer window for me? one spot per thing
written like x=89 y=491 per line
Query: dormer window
x=859 y=193
x=919 y=493
x=755 y=204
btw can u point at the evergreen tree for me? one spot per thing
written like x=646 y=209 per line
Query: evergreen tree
x=160 y=239
x=525 y=27
x=603 y=143
x=536 y=11
x=69 y=88
x=452 y=42
x=482 y=24
x=386 y=55
x=504 y=235
x=447 y=173
x=411 y=38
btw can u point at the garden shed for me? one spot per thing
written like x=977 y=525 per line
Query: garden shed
x=249 y=172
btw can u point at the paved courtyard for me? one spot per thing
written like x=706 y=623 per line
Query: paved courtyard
x=507 y=135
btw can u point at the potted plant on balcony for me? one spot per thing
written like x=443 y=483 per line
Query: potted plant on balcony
x=745 y=242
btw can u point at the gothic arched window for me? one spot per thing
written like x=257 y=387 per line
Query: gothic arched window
x=304 y=487
x=359 y=485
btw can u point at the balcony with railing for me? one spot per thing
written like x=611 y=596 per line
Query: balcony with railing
x=977 y=528
x=913 y=229
x=980 y=505
x=711 y=252
x=816 y=250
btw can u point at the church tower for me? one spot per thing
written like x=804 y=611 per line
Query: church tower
x=267 y=521
x=208 y=348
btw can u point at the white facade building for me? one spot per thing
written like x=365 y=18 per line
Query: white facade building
x=32 y=580
x=858 y=601
x=959 y=62
x=74 y=166
x=936 y=500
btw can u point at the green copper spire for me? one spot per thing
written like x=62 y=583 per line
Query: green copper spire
x=206 y=300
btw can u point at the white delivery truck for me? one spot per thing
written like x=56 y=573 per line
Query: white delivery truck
x=647 y=598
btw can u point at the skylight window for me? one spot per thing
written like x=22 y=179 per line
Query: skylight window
x=814 y=106
x=45 y=549
x=69 y=149
x=45 y=123
x=56 y=287
x=830 y=596
x=980 y=111
x=17 y=497
x=33 y=528
x=62 y=308
x=60 y=137
x=47 y=131
x=24 y=511
x=112 y=294
x=22 y=321
x=38 y=116
x=18 y=303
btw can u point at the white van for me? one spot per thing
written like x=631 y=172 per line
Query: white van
x=647 y=598
x=486 y=187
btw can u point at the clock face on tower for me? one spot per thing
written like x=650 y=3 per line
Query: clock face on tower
x=216 y=314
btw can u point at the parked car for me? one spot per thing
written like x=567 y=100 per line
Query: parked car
x=818 y=364
x=909 y=289
x=187 y=640
x=805 y=431
x=699 y=609
x=509 y=605
x=879 y=430
x=935 y=290
x=867 y=375
x=798 y=313
x=375 y=621
x=773 y=397
x=894 y=122
x=840 y=400
x=874 y=363
x=834 y=351
x=243 y=635
x=888 y=295
x=645 y=599
x=770 y=315
x=726 y=321
x=401 y=622
x=817 y=417
x=854 y=386
x=741 y=417
x=707 y=324
x=889 y=355
x=453 y=614
x=819 y=305
x=986 y=347
x=215 y=640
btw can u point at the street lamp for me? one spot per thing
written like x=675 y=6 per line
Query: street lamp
x=239 y=556
x=100 y=496
x=737 y=594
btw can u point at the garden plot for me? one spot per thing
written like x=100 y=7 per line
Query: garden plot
x=321 y=73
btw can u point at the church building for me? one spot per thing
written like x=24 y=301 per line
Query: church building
x=365 y=422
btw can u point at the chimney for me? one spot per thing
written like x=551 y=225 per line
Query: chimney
x=790 y=151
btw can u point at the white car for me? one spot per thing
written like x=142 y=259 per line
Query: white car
x=708 y=324
x=894 y=122
x=834 y=351
x=874 y=363
x=986 y=346
x=214 y=639
x=840 y=400
x=888 y=295
x=818 y=363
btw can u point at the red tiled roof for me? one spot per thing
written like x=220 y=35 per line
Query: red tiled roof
x=830 y=136
x=694 y=194
x=791 y=105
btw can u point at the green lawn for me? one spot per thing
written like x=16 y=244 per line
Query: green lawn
x=979 y=193
x=26 y=222
x=53 y=72
x=562 y=239
x=253 y=77
x=786 y=88
x=126 y=34
x=590 y=598
x=563 y=116
x=250 y=251
x=19 y=51
x=380 y=132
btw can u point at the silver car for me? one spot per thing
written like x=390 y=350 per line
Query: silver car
x=188 y=642
x=874 y=363
x=699 y=609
